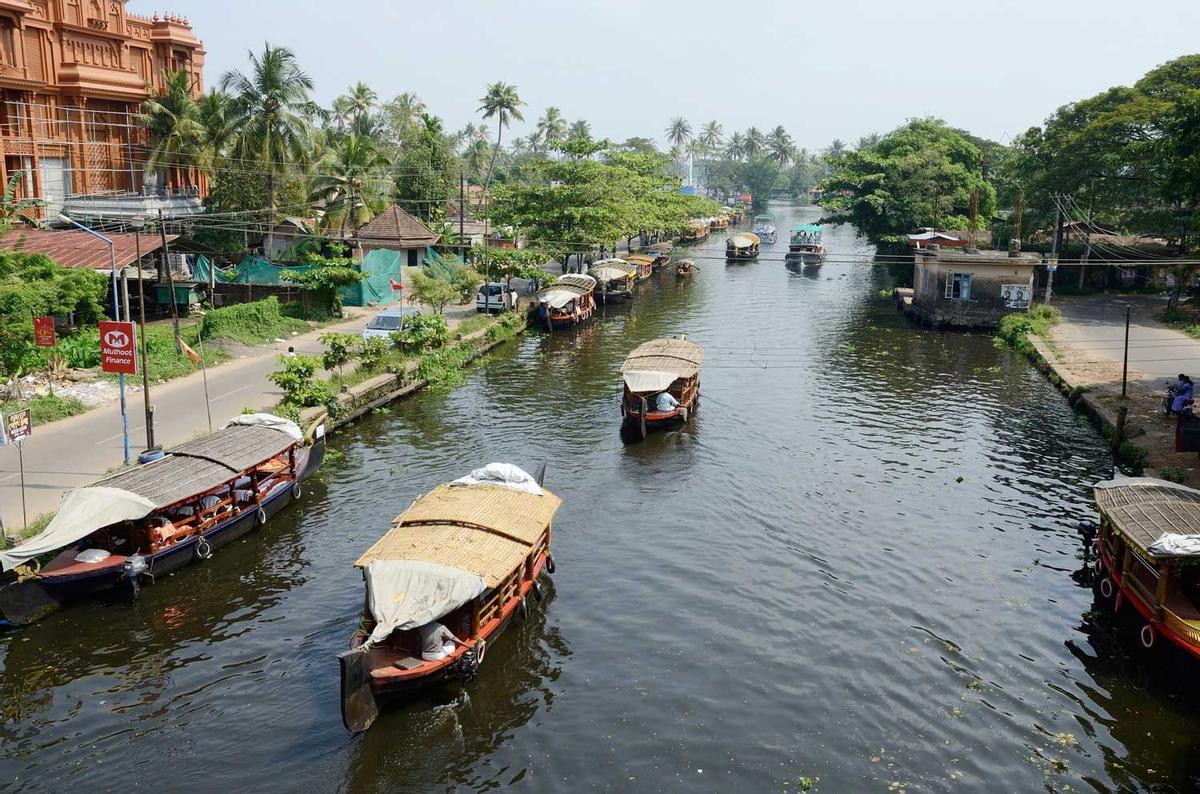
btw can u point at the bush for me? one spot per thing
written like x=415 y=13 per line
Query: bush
x=1015 y=328
x=1172 y=474
x=338 y=349
x=249 y=323
x=373 y=352
x=81 y=349
x=421 y=333
x=47 y=408
x=1131 y=458
x=297 y=379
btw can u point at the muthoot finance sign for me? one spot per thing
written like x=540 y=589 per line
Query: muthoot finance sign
x=118 y=347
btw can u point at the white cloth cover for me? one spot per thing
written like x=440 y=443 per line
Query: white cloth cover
x=92 y=555
x=505 y=474
x=557 y=298
x=405 y=594
x=268 y=420
x=1172 y=545
x=82 y=512
x=644 y=381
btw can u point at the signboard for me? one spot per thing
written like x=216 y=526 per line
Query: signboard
x=43 y=332
x=18 y=426
x=118 y=348
x=1016 y=296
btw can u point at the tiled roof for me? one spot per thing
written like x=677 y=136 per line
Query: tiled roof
x=72 y=248
x=394 y=225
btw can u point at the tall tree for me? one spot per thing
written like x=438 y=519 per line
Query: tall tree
x=270 y=111
x=351 y=183
x=755 y=143
x=580 y=130
x=780 y=147
x=552 y=127
x=401 y=115
x=711 y=137
x=427 y=171
x=735 y=149
x=502 y=103
x=178 y=138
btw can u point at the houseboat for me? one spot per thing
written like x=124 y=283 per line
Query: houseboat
x=737 y=216
x=1149 y=557
x=644 y=264
x=719 y=222
x=684 y=268
x=662 y=384
x=695 y=230
x=568 y=301
x=462 y=561
x=149 y=520
x=805 y=246
x=661 y=253
x=764 y=227
x=615 y=279
x=742 y=247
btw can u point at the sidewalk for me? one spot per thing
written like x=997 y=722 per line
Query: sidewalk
x=1086 y=349
x=78 y=450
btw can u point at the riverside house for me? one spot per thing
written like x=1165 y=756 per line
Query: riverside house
x=969 y=288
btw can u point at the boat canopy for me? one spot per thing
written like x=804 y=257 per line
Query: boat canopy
x=655 y=365
x=452 y=544
x=808 y=228
x=700 y=223
x=744 y=240
x=186 y=471
x=566 y=289
x=1159 y=518
x=664 y=247
x=607 y=273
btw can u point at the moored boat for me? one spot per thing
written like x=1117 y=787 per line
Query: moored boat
x=615 y=279
x=742 y=247
x=695 y=230
x=719 y=222
x=764 y=227
x=661 y=253
x=1149 y=557
x=644 y=264
x=684 y=267
x=462 y=559
x=661 y=384
x=805 y=246
x=149 y=520
x=568 y=301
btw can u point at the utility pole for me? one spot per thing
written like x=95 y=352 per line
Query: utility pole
x=162 y=230
x=1125 y=363
x=1020 y=211
x=462 y=212
x=138 y=222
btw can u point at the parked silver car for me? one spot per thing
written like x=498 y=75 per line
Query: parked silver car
x=387 y=321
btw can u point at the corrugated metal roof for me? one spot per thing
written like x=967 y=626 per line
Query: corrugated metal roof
x=72 y=248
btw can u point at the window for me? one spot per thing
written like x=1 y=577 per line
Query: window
x=958 y=286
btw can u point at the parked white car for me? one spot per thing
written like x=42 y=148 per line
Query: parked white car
x=496 y=297
x=387 y=321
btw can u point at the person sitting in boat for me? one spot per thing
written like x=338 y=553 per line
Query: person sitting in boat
x=1183 y=394
x=666 y=402
x=437 y=641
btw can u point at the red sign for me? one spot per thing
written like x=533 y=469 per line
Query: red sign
x=43 y=332
x=118 y=348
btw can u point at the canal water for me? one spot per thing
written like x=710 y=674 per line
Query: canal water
x=865 y=561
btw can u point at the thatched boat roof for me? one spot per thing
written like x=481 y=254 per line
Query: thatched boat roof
x=655 y=365
x=1143 y=509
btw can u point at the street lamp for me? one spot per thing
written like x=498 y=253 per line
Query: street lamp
x=112 y=258
x=138 y=223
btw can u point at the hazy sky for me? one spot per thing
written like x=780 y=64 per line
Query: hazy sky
x=823 y=70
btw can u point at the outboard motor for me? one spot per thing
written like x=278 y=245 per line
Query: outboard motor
x=133 y=570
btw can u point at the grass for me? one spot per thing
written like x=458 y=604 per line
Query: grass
x=35 y=527
x=251 y=323
x=1016 y=328
x=473 y=324
x=46 y=409
x=1182 y=320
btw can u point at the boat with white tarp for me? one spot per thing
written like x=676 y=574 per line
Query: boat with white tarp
x=662 y=384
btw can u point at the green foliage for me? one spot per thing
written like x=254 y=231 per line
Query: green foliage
x=372 y=354
x=81 y=349
x=14 y=210
x=466 y=281
x=234 y=189
x=509 y=263
x=1172 y=474
x=301 y=389
x=250 y=323
x=921 y=174
x=1132 y=459
x=421 y=333
x=46 y=408
x=432 y=291
x=506 y=327
x=338 y=350
x=426 y=166
x=444 y=369
x=758 y=177
x=324 y=283
x=1015 y=328
x=34 y=285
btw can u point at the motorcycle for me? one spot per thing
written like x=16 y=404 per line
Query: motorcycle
x=1169 y=400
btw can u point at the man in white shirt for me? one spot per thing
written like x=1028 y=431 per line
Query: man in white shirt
x=437 y=642
x=666 y=402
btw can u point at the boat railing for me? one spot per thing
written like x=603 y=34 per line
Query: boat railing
x=1181 y=627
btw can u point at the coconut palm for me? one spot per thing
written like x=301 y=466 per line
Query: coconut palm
x=779 y=146
x=502 y=103
x=735 y=149
x=580 y=130
x=341 y=112
x=401 y=114
x=836 y=149
x=711 y=137
x=178 y=139
x=352 y=182
x=755 y=143
x=867 y=142
x=552 y=127
x=269 y=112
x=14 y=210
x=214 y=115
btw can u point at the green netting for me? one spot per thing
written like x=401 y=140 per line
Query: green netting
x=203 y=271
x=439 y=265
x=380 y=266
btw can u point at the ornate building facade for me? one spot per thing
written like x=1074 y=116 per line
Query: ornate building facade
x=73 y=74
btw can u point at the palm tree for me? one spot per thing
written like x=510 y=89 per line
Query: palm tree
x=552 y=127
x=214 y=115
x=350 y=182
x=755 y=143
x=400 y=116
x=580 y=130
x=502 y=102
x=14 y=210
x=342 y=112
x=867 y=142
x=710 y=137
x=270 y=110
x=177 y=133
x=779 y=144
x=736 y=148
x=836 y=149
x=680 y=132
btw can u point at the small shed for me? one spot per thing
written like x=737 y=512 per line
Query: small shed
x=396 y=230
x=970 y=289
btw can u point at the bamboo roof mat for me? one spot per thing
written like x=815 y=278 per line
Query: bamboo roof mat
x=490 y=557
x=676 y=356
x=1144 y=511
x=238 y=447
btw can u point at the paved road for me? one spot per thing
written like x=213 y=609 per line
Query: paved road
x=76 y=451
x=1091 y=337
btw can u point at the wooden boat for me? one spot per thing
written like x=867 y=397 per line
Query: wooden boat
x=644 y=264
x=719 y=222
x=742 y=247
x=764 y=227
x=684 y=267
x=737 y=217
x=615 y=279
x=467 y=555
x=662 y=365
x=695 y=230
x=149 y=520
x=568 y=301
x=805 y=246
x=661 y=253
x=1157 y=573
